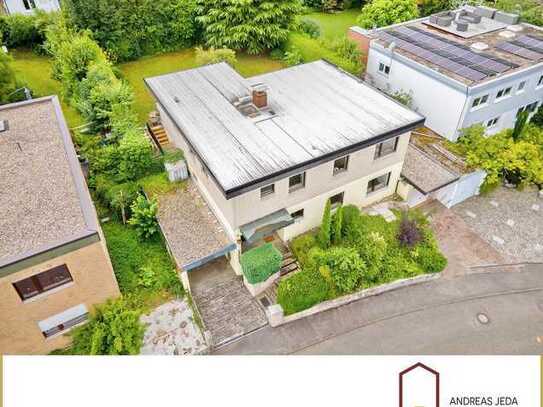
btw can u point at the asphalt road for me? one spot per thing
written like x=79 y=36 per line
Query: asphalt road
x=438 y=317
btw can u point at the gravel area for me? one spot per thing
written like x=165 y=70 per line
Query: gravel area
x=190 y=227
x=509 y=220
x=171 y=330
x=40 y=203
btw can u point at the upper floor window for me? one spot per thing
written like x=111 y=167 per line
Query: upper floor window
x=337 y=200
x=267 y=190
x=297 y=215
x=480 y=101
x=43 y=282
x=383 y=68
x=503 y=93
x=296 y=182
x=521 y=86
x=540 y=82
x=386 y=148
x=341 y=164
x=29 y=4
x=378 y=183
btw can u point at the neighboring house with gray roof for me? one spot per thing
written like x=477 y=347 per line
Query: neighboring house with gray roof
x=475 y=65
x=267 y=152
x=54 y=265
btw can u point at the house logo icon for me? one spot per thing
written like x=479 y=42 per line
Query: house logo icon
x=419 y=387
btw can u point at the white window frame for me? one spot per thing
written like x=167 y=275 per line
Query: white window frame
x=79 y=314
x=336 y=205
x=29 y=4
x=383 y=68
x=388 y=176
x=522 y=87
x=379 y=148
x=492 y=123
x=539 y=82
x=263 y=194
x=479 y=102
x=505 y=93
x=338 y=170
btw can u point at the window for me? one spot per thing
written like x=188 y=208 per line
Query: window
x=386 y=148
x=503 y=93
x=521 y=86
x=378 y=183
x=492 y=122
x=540 y=81
x=531 y=107
x=296 y=182
x=298 y=215
x=385 y=69
x=341 y=164
x=480 y=101
x=29 y=4
x=64 y=321
x=43 y=282
x=336 y=201
x=267 y=190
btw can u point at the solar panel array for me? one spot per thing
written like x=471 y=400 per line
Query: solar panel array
x=447 y=54
x=527 y=46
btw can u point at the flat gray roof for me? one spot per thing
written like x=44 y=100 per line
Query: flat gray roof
x=44 y=201
x=424 y=172
x=317 y=111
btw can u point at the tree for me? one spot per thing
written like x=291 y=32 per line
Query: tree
x=251 y=25
x=381 y=13
x=325 y=230
x=338 y=226
x=8 y=80
x=128 y=29
x=537 y=118
x=522 y=120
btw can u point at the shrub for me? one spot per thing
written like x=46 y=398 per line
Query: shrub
x=351 y=218
x=135 y=156
x=28 y=31
x=277 y=54
x=114 y=329
x=143 y=218
x=329 y=5
x=8 y=80
x=409 y=233
x=522 y=120
x=324 y=236
x=337 y=226
x=309 y=27
x=293 y=57
x=301 y=246
x=372 y=249
x=346 y=268
x=347 y=50
x=430 y=259
x=382 y=13
x=302 y=290
x=260 y=263
x=213 y=56
x=537 y=118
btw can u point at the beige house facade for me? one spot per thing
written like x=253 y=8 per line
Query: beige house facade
x=54 y=265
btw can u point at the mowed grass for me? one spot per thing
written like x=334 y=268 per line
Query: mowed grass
x=334 y=25
x=35 y=72
x=134 y=72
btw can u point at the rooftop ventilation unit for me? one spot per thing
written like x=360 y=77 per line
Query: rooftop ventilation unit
x=479 y=46
x=4 y=126
x=507 y=34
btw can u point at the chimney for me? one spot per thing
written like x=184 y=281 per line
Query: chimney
x=260 y=96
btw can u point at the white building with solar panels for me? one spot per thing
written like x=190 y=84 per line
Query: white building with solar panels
x=471 y=66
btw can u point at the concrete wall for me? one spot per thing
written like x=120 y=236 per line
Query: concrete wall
x=17 y=6
x=94 y=282
x=441 y=103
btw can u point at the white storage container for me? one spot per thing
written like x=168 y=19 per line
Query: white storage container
x=177 y=171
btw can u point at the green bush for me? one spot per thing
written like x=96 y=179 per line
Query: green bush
x=135 y=156
x=372 y=249
x=301 y=246
x=293 y=57
x=260 y=263
x=325 y=231
x=381 y=13
x=537 y=118
x=309 y=27
x=114 y=329
x=346 y=268
x=337 y=226
x=143 y=218
x=302 y=290
x=430 y=259
x=213 y=56
x=28 y=31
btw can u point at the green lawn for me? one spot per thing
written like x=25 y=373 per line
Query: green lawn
x=335 y=25
x=134 y=72
x=35 y=71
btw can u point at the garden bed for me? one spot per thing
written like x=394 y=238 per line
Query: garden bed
x=360 y=252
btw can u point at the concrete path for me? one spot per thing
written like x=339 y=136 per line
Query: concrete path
x=438 y=317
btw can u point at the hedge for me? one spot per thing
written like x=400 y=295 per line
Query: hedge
x=302 y=290
x=260 y=263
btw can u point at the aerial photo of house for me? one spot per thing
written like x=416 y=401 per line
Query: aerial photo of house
x=333 y=177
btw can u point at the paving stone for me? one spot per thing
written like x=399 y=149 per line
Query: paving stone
x=471 y=214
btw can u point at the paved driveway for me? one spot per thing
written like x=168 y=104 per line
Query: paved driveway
x=511 y=221
x=227 y=308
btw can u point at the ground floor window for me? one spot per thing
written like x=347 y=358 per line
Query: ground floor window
x=297 y=215
x=64 y=321
x=378 y=183
x=492 y=122
x=337 y=200
x=43 y=282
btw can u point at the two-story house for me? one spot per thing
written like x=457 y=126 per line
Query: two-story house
x=267 y=152
x=470 y=66
x=28 y=6
x=54 y=265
